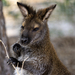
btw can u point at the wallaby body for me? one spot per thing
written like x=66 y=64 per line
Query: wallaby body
x=35 y=44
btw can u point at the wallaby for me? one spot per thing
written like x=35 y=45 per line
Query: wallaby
x=35 y=44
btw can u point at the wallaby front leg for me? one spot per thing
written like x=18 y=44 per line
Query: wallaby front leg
x=34 y=67
x=17 y=48
x=14 y=61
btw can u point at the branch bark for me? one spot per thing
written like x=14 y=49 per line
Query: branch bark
x=4 y=68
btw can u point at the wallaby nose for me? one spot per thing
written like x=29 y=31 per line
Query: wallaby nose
x=24 y=40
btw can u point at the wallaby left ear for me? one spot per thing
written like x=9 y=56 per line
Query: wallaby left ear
x=44 y=14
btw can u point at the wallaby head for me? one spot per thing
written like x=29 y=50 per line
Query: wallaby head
x=34 y=28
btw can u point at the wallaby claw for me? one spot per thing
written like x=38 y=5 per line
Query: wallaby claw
x=16 y=47
x=13 y=61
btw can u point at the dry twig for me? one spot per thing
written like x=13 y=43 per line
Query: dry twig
x=8 y=55
x=23 y=64
x=8 y=58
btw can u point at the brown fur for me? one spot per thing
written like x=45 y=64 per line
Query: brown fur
x=43 y=59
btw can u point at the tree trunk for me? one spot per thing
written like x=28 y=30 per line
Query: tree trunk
x=4 y=68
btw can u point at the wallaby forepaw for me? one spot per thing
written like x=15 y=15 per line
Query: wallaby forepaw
x=13 y=61
x=16 y=47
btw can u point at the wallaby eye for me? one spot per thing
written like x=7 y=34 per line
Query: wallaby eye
x=22 y=27
x=35 y=29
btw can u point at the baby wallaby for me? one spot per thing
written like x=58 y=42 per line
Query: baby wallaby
x=35 y=44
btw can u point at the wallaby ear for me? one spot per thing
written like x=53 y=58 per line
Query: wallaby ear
x=25 y=9
x=44 y=14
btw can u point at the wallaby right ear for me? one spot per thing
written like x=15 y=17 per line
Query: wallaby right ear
x=22 y=9
x=25 y=9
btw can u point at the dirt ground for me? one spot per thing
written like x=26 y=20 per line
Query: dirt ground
x=65 y=48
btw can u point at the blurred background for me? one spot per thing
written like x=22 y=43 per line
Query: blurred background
x=61 y=25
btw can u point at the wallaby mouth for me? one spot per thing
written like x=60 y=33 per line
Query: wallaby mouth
x=24 y=41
